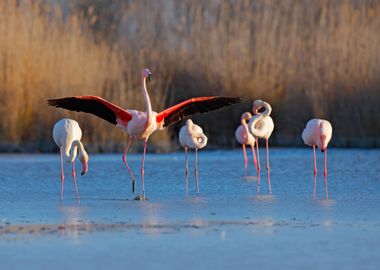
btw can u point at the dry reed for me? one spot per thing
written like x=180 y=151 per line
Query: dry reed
x=307 y=58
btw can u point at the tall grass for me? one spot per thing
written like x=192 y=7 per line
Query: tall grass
x=307 y=58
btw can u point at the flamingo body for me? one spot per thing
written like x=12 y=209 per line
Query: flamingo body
x=67 y=135
x=140 y=125
x=317 y=132
x=261 y=124
x=192 y=136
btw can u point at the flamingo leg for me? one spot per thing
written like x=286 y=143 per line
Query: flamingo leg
x=142 y=169
x=196 y=170
x=126 y=163
x=254 y=156
x=325 y=173
x=315 y=170
x=187 y=170
x=258 y=165
x=62 y=174
x=268 y=167
x=75 y=180
x=245 y=159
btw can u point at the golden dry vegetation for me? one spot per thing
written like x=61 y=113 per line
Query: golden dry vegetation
x=307 y=58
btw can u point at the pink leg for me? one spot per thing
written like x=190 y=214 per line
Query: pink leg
x=245 y=159
x=325 y=173
x=62 y=174
x=254 y=157
x=126 y=164
x=196 y=170
x=75 y=180
x=187 y=171
x=258 y=165
x=315 y=171
x=142 y=168
x=268 y=168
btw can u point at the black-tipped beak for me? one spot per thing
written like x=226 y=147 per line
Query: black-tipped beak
x=323 y=150
x=83 y=173
x=150 y=77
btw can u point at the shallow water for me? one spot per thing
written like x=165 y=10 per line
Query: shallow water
x=228 y=226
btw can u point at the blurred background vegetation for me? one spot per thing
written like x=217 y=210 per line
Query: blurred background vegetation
x=307 y=58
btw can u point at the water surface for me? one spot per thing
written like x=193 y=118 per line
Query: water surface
x=228 y=226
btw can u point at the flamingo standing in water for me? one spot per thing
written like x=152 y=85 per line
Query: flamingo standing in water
x=67 y=135
x=261 y=126
x=140 y=125
x=192 y=136
x=318 y=132
x=244 y=137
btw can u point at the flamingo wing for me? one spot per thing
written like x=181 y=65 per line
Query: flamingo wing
x=94 y=105
x=192 y=106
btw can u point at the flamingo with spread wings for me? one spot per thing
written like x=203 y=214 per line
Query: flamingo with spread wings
x=140 y=125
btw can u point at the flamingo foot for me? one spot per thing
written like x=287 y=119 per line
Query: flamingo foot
x=141 y=198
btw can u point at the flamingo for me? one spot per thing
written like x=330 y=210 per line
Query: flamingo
x=140 y=125
x=67 y=135
x=244 y=137
x=261 y=126
x=318 y=132
x=192 y=136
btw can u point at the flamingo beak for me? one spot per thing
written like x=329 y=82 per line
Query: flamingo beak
x=150 y=77
x=84 y=168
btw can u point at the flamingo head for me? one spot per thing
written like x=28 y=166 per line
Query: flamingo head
x=325 y=131
x=189 y=122
x=84 y=160
x=257 y=105
x=146 y=74
x=246 y=116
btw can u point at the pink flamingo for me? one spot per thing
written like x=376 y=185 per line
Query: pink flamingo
x=244 y=137
x=318 y=132
x=192 y=136
x=140 y=125
x=261 y=126
x=67 y=135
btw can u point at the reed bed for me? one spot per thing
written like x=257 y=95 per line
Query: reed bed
x=307 y=58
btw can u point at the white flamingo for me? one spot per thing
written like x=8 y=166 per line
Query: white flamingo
x=67 y=135
x=318 y=132
x=261 y=126
x=244 y=137
x=192 y=136
x=140 y=125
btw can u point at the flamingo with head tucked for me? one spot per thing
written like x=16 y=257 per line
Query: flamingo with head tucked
x=261 y=126
x=67 y=135
x=244 y=137
x=140 y=125
x=192 y=136
x=318 y=132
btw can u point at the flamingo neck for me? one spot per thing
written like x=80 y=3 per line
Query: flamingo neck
x=70 y=151
x=147 y=100
x=256 y=119
x=83 y=156
x=245 y=125
x=268 y=109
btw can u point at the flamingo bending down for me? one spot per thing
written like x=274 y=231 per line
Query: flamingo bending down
x=140 y=125
x=244 y=137
x=192 y=136
x=67 y=135
x=261 y=126
x=318 y=132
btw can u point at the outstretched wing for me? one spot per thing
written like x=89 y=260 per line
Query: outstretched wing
x=193 y=106
x=94 y=105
